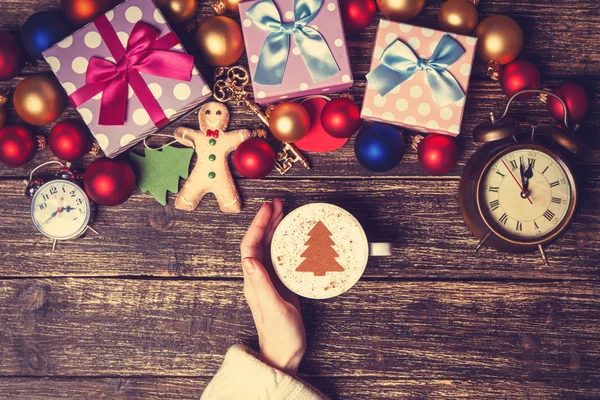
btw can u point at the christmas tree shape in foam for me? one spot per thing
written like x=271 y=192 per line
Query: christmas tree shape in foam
x=159 y=170
x=320 y=255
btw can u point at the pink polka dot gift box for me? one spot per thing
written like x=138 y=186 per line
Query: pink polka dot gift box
x=295 y=48
x=127 y=74
x=419 y=78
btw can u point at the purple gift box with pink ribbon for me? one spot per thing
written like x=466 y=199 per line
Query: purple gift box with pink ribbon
x=127 y=74
x=295 y=48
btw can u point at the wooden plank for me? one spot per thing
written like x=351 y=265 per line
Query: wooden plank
x=404 y=330
x=421 y=219
x=336 y=388
x=484 y=96
x=561 y=43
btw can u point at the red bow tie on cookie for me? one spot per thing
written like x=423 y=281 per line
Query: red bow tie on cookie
x=214 y=134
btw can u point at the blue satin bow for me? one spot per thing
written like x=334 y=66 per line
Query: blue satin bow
x=274 y=53
x=399 y=63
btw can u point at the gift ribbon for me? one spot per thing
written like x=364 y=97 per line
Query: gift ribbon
x=399 y=62
x=274 y=53
x=145 y=53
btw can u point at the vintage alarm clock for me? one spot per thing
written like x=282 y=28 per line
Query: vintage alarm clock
x=517 y=195
x=60 y=209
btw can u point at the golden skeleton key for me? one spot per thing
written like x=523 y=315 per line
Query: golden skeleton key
x=230 y=85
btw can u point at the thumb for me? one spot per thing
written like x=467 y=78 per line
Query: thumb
x=266 y=294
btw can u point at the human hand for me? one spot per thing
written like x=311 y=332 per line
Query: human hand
x=276 y=310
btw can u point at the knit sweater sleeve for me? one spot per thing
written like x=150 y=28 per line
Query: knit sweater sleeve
x=244 y=377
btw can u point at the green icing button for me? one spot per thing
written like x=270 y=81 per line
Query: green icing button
x=212 y=142
x=212 y=157
x=211 y=175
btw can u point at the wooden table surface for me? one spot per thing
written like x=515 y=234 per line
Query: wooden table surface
x=147 y=309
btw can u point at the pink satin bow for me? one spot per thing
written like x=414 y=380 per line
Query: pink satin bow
x=145 y=53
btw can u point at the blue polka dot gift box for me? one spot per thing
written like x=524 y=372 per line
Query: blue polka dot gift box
x=127 y=75
x=419 y=78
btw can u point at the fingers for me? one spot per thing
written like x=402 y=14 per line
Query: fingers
x=251 y=245
x=267 y=297
x=276 y=218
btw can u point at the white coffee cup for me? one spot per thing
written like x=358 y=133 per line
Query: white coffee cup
x=320 y=250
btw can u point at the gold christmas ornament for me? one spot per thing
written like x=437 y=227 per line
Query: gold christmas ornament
x=289 y=122
x=39 y=100
x=458 y=16
x=220 y=40
x=500 y=39
x=178 y=11
x=221 y=6
x=400 y=10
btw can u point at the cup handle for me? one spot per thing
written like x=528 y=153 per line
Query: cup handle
x=383 y=249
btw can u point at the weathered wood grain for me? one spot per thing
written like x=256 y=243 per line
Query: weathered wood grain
x=484 y=96
x=339 y=388
x=421 y=219
x=559 y=35
x=403 y=330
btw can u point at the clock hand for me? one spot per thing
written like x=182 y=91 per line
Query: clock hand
x=517 y=181
x=527 y=174
x=51 y=216
x=522 y=170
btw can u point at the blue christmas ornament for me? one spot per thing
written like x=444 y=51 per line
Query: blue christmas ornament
x=379 y=147
x=42 y=30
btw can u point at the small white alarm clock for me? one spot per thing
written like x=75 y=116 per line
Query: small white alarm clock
x=60 y=209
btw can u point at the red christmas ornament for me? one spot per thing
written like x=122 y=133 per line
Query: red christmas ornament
x=17 y=145
x=317 y=139
x=80 y=12
x=575 y=98
x=358 y=14
x=109 y=182
x=519 y=75
x=69 y=140
x=12 y=56
x=254 y=158
x=438 y=153
x=341 y=117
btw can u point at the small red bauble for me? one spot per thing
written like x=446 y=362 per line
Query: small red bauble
x=12 y=56
x=575 y=98
x=340 y=117
x=109 y=182
x=317 y=139
x=519 y=75
x=80 y=12
x=358 y=14
x=438 y=153
x=17 y=145
x=254 y=158
x=69 y=140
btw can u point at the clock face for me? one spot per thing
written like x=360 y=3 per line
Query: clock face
x=525 y=194
x=60 y=210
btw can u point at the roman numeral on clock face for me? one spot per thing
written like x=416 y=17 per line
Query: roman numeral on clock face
x=556 y=200
x=513 y=164
x=545 y=169
x=494 y=204
x=500 y=173
x=553 y=184
x=494 y=189
x=535 y=225
x=532 y=162
x=504 y=219
x=519 y=226
x=549 y=215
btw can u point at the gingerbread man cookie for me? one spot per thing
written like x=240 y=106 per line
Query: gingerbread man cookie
x=211 y=173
